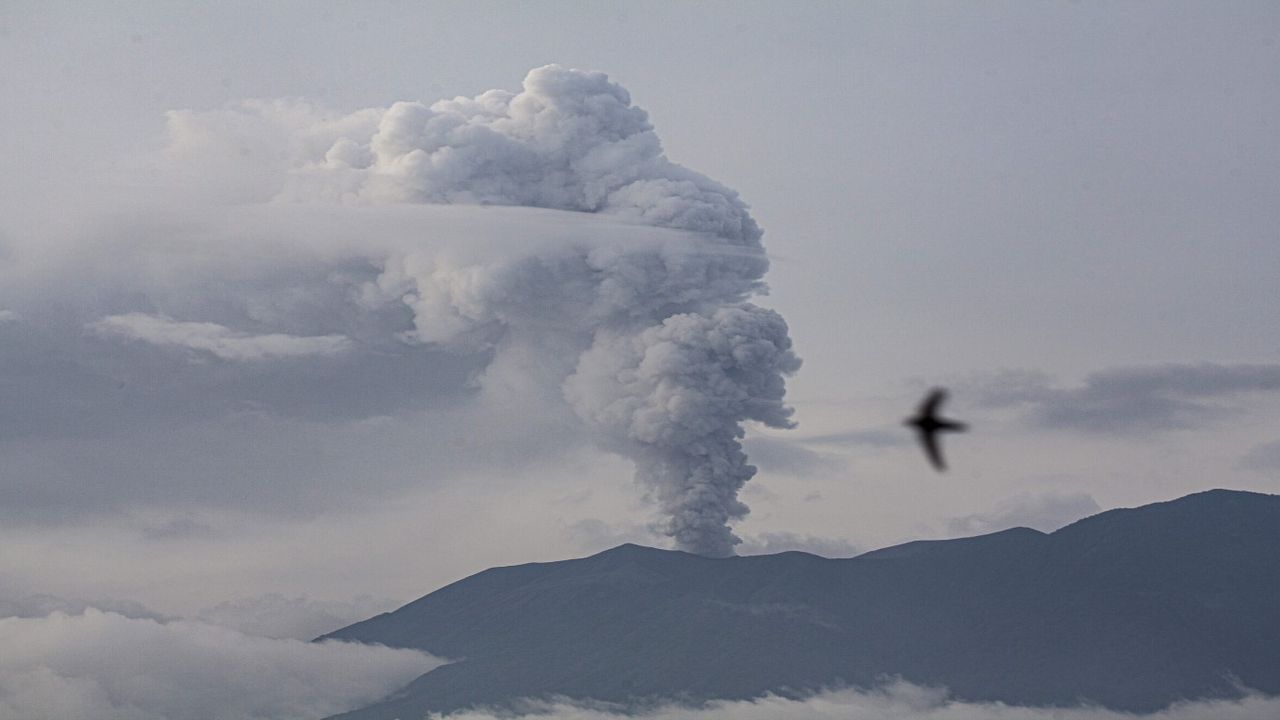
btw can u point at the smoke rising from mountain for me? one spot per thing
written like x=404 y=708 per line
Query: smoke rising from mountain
x=614 y=287
x=672 y=360
x=673 y=397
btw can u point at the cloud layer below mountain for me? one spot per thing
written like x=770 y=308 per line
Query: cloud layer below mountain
x=105 y=666
x=898 y=701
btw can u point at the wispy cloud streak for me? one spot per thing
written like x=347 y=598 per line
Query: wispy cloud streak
x=1133 y=399
x=217 y=340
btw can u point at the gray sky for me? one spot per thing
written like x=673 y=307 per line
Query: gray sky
x=1065 y=212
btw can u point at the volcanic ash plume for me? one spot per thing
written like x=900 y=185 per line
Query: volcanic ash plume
x=674 y=396
x=638 y=318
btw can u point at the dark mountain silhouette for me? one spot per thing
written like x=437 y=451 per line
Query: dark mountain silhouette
x=1132 y=609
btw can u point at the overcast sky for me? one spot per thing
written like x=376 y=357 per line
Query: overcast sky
x=216 y=401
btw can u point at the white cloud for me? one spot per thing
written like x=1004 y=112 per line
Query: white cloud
x=1045 y=512
x=221 y=341
x=104 y=666
x=898 y=701
x=769 y=543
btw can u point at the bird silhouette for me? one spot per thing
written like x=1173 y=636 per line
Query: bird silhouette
x=928 y=424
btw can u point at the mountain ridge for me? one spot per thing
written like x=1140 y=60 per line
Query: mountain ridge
x=1132 y=608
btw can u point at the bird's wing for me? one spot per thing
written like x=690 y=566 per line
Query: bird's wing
x=931 y=448
x=932 y=402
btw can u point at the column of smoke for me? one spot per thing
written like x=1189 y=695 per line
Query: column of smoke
x=654 y=344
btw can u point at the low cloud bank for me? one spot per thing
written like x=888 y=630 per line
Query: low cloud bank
x=105 y=666
x=899 y=701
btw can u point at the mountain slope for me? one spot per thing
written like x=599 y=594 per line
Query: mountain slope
x=1132 y=609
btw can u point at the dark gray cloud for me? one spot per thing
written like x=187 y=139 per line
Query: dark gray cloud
x=1264 y=458
x=60 y=379
x=1045 y=512
x=1133 y=399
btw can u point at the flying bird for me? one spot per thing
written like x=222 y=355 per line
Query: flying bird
x=928 y=424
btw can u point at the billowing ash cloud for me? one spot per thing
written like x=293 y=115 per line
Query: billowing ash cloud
x=676 y=359
x=105 y=666
x=673 y=396
x=616 y=285
x=671 y=359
